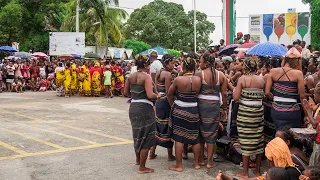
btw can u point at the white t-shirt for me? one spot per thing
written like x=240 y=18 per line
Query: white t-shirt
x=155 y=66
x=42 y=71
x=10 y=67
x=306 y=53
x=59 y=69
x=133 y=69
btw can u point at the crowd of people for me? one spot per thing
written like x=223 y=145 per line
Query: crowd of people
x=193 y=102
x=65 y=76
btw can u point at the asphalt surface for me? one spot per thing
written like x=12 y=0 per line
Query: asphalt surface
x=46 y=137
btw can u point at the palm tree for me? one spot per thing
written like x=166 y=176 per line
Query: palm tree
x=97 y=18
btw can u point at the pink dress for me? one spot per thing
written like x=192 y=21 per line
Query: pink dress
x=17 y=73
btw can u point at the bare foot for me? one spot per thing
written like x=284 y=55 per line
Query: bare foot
x=197 y=166
x=184 y=156
x=256 y=173
x=211 y=165
x=242 y=175
x=145 y=170
x=175 y=168
x=172 y=158
x=202 y=163
x=138 y=162
x=152 y=156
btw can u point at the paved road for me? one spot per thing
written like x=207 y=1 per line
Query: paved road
x=46 y=137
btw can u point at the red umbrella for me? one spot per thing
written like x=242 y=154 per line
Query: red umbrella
x=40 y=55
x=245 y=47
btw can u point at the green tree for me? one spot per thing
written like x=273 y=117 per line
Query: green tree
x=97 y=19
x=10 y=20
x=166 y=24
x=174 y=52
x=137 y=46
x=315 y=22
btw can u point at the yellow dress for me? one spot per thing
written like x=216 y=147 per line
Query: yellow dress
x=74 y=80
x=96 y=83
x=67 y=82
x=86 y=84
x=60 y=76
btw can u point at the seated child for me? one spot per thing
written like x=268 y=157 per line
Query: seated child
x=119 y=87
x=43 y=84
x=17 y=85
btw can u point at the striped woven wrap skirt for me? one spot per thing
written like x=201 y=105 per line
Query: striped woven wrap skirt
x=162 y=119
x=209 y=120
x=143 y=124
x=250 y=122
x=184 y=124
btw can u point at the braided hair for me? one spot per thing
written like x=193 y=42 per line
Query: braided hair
x=166 y=59
x=142 y=61
x=210 y=60
x=190 y=61
x=250 y=65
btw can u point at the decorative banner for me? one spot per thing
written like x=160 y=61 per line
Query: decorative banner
x=291 y=24
x=279 y=22
x=303 y=24
x=281 y=28
x=267 y=25
x=255 y=28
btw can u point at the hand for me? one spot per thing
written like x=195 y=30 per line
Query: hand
x=158 y=95
x=306 y=105
x=302 y=177
x=224 y=116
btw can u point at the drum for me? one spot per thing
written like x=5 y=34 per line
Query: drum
x=302 y=134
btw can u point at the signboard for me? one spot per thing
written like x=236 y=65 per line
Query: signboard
x=281 y=28
x=66 y=43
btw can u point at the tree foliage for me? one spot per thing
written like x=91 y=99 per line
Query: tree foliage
x=174 y=52
x=166 y=24
x=137 y=46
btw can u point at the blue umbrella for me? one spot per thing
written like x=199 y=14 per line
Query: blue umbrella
x=76 y=56
x=7 y=49
x=229 y=50
x=267 y=49
x=160 y=50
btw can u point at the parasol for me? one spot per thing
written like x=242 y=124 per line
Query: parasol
x=228 y=50
x=7 y=49
x=23 y=55
x=92 y=56
x=76 y=56
x=40 y=55
x=65 y=56
x=267 y=49
x=245 y=47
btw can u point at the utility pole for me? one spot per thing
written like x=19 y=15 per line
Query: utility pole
x=195 y=25
x=77 y=15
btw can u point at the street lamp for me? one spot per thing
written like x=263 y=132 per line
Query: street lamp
x=195 y=25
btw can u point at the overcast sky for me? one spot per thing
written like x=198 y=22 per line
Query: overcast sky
x=213 y=8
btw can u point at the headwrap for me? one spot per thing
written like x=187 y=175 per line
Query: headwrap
x=240 y=54
x=240 y=34
x=278 y=152
x=96 y=64
x=293 y=53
